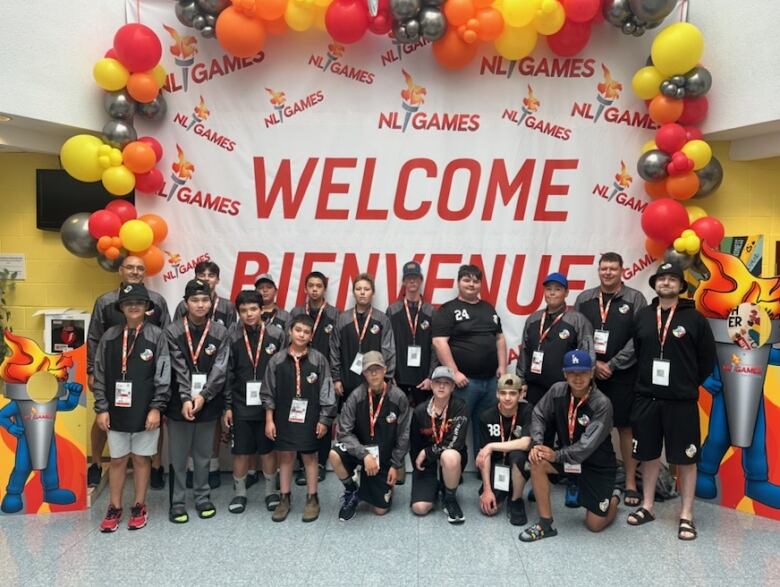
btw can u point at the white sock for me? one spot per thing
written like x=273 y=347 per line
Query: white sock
x=213 y=465
x=190 y=465
x=270 y=484
x=251 y=472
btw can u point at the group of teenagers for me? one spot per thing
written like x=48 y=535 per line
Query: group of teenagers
x=362 y=388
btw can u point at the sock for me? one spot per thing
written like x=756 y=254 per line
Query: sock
x=252 y=472
x=239 y=486
x=190 y=465
x=546 y=523
x=270 y=484
x=450 y=492
x=213 y=465
x=349 y=484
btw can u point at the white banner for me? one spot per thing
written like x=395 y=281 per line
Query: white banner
x=316 y=156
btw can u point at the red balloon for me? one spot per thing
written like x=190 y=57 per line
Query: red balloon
x=122 y=208
x=347 y=20
x=692 y=133
x=104 y=223
x=571 y=39
x=111 y=54
x=710 y=230
x=581 y=10
x=382 y=23
x=670 y=137
x=149 y=183
x=138 y=47
x=664 y=220
x=694 y=110
x=155 y=145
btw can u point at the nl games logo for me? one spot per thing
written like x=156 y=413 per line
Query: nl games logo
x=413 y=96
x=195 y=122
x=184 y=48
x=182 y=171
x=401 y=49
x=736 y=366
x=541 y=67
x=178 y=268
x=332 y=63
x=283 y=110
x=608 y=92
x=617 y=191
x=526 y=117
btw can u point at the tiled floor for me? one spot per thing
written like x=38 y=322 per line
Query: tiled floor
x=66 y=549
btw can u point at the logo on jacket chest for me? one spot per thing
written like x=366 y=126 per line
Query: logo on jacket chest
x=564 y=334
x=679 y=331
x=312 y=377
x=147 y=355
x=375 y=329
x=210 y=349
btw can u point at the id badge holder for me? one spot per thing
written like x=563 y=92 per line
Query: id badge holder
x=600 y=339
x=575 y=468
x=501 y=476
x=197 y=384
x=661 y=368
x=373 y=450
x=413 y=356
x=537 y=358
x=298 y=410
x=253 y=393
x=357 y=364
x=123 y=394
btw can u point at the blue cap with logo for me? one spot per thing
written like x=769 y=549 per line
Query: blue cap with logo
x=558 y=278
x=412 y=268
x=577 y=362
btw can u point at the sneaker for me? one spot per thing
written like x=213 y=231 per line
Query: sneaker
x=252 y=479
x=111 y=522
x=311 y=511
x=158 y=478
x=572 y=499
x=349 y=503
x=272 y=500
x=138 y=517
x=452 y=509
x=517 y=515
x=237 y=505
x=94 y=474
x=321 y=473
x=300 y=477
x=215 y=479
x=188 y=481
x=282 y=509
x=205 y=510
x=178 y=514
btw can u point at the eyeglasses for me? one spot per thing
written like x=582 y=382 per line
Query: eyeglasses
x=136 y=268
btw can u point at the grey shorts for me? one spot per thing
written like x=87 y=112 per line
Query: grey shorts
x=142 y=443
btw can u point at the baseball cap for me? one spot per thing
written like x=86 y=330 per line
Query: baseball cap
x=133 y=292
x=412 y=268
x=669 y=268
x=577 y=362
x=265 y=278
x=509 y=381
x=372 y=358
x=558 y=278
x=442 y=372
x=196 y=287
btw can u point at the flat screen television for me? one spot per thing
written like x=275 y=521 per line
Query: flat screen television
x=60 y=196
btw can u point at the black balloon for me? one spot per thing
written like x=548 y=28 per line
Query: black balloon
x=710 y=178
x=652 y=165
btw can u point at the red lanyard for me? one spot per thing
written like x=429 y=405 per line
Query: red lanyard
x=543 y=333
x=373 y=416
x=125 y=352
x=196 y=353
x=256 y=360
x=297 y=360
x=512 y=427
x=215 y=301
x=361 y=335
x=439 y=436
x=413 y=327
x=605 y=310
x=573 y=414
x=317 y=319
x=662 y=339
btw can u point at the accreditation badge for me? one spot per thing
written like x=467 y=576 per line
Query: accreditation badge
x=123 y=394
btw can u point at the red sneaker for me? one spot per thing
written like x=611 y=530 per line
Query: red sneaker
x=138 y=517
x=111 y=522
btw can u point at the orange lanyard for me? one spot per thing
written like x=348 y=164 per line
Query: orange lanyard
x=297 y=360
x=501 y=424
x=662 y=339
x=373 y=416
x=361 y=335
x=543 y=333
x=439 y=436
x=603 y=311
x=317 y=319
x=413 y=326
x=196 y=353
x=125 y=352
x=573 y=414
x=256 y=360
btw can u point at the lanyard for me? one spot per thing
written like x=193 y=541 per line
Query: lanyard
x=603 y=311
x=361 y=335
x=125 y=352
x=297 y=360
x=543 y=333
x=196 y=353
x=270 y=319
x=256 y=360
x=373 y=416
x=573 y=414
x=512 y=427
x=317 y=319
x=413 y=326
x=439 y=436
x=215 y=301
x=662 y=339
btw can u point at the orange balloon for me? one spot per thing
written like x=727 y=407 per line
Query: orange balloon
x=682 y=187
x=158 y=225
x=483 y=3
x=139 y=157
x=656 y=189
x=116 y=242
x=270 y=9
x=491 y=25
x=276 y=27
x=239 y=35
x=664 y=109
x=458 y=12
x=154 y=260
x=451 y=52
x=112 y=253
x=104 y=242
x=142 y=87
x=654 y=248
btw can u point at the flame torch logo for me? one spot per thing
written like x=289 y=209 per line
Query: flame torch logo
x=183 y=50
x=530 y=105
x=199 y=113
x=412 y=98
x=609 y=91
x=26 y=358
x=335 y=52
x=182 y=170
x=623 y=181
x=174 y=259
x=277 y=101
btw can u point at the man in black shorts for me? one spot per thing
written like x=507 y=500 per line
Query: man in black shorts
x=610 y=308
x=675 y=352
x=582 y=417
x=373 y=431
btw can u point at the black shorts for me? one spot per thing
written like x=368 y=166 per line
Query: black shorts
x=425 y=483
x=373 y=490
x=669 y=424
x=621 y=394
x=595 y=487
x=517 y=458
x=249 y=438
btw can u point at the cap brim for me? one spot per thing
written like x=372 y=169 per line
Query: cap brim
x=683 y=286
x=369 y=365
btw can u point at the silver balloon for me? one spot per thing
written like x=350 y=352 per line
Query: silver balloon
x=668 y=88
x=639 y=30
x=213 y=6
x=616 y=12
x=112 y=266
x=118 y=133
x=119 y=105
x=699 y=269
x=683 y=260
x=211 y=21
x=628 y=27
x=154 y=110
x=185 y=12
x=432 y=3
x=199 y=22
x=710 y=178
x=403 y=9
x=207 y=32
x=698 y=82
x=652 y=165
x=678 y=80
x=406 y=32
x=651 y=10
x=679 y=93
x=433 y=25
x=76 y=238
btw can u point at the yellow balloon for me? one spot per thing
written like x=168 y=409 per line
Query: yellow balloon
x=677 y=48
x=699 y=152
x=136 y=235
x=549 y=18
x=298 y=17
x=518 y=13
x=647 y=82
x=79 y=156
x=159 y=74
x=119 y=181
x=110 y=74
x=319 y=18
x=516 y=43
x=694 y=213
x=648 y=146
x=322 y=3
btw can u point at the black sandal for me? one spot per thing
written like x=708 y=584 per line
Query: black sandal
x=632 y=498
x=640 y=517
x=686 y=527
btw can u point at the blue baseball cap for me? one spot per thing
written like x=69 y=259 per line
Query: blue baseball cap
x=412 y=268
x=577 y=362
x=558 y=278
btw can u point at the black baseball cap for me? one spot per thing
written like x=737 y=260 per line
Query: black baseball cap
x=196 y=287
x=133 y=292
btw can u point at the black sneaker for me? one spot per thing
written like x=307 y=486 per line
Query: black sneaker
x=517 y=515
x=320 y=473
x=300 y=477
x=252 y=479
x=349 y=503
x=452 y=509
x=158 y=478
x=188 y=482
x=215 y=479
x=94 y=474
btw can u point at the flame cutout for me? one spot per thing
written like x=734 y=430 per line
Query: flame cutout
x=735 y=360
x=624 y=178
x=27 y=358
x=277 y=98
x=181 y=167
x=731 y=284
x=412 y=95
x=609 y=88
x=201 y=111
x=531 y=102
x=336 y=50
x=183 y=47
x=173 y=258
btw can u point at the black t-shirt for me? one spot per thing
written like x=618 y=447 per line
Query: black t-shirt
x=492 y=424
x=472 y=331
